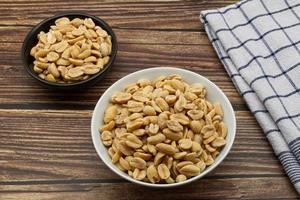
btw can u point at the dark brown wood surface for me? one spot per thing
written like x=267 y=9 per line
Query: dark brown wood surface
x=46 y=150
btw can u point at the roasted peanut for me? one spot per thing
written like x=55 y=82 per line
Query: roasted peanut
x=172 y=135
x=181 y=118
x=163 y=171
x=133 y=125
x=110 y=113
x=195 y=114
x=144 y=156
x=155 y=139
x=152 y=174
x=180 y=155
x=180 y=103
x=196 y=126
x=124 y=163
x=190 y=170
x=140 y=96
x=90 y=69
x=125 y=149
x=133 y=141
x=162 y=104
x=137 y=162
x=170 y=99
x=185 y=144
x=134 y=106
x=158 y=158
x=218 y=109
x=139 y=174
x=218 y=142
x=50 y=78
x=52 y=56
x=180 y=178
x=153 y=129
x=166 y=148
x=53 y=70
x=121 y=97
x=174 y=126
x=149 y=110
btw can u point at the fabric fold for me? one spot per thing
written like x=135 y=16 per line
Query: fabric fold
x=258 y=43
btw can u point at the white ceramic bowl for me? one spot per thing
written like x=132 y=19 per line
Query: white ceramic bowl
x=214 y=94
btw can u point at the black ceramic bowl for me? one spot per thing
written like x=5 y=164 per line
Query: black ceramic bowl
x=31 y=40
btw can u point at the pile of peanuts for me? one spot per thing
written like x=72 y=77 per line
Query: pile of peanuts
x=163 y=131
x=72 y=50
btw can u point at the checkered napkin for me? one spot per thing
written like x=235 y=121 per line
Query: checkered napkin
x=258 y=42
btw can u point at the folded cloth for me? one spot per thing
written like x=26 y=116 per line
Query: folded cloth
x=258 y=42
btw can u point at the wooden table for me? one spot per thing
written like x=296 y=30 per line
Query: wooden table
x=46 y=151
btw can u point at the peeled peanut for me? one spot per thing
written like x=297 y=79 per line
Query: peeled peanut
x=105 y=49
x=110 y=113
x=75 y=72
x=53 y=70
x=163 y=171
x=190 y=170
x=152 y=174
x=50 y=78
x=137 y=162
x=180 y=178
x=155 y=139
x=90 y=69
x=133 y=141
x=52 y=56
x=139 y=174
x=166 y=148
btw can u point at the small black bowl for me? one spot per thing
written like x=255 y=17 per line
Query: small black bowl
x=31 y=40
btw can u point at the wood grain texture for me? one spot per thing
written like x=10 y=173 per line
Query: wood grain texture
x=46 y=151
x=136 y=14
x=229 y=188
x=56 y=149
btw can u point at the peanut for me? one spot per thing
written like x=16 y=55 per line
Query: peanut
x=172 y=135
x=110 y=113
x=155 y=139
x=174 y=126
x=185 y=144
x=133 y=141
x=180 y=178
x=139 y=174
x=163 y=171
x=152 y=174
x=137 y=162
x=166 y=148
x=124 y=163
x=190 y=170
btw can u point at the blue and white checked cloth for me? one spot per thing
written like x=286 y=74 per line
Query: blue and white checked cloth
x=258 y=42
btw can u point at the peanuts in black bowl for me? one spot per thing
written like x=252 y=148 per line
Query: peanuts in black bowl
x=55 y=59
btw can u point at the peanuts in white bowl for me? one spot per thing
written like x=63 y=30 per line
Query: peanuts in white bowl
x=159 y=157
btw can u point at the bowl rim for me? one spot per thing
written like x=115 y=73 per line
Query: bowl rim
x=32 y=33
x=172 y=185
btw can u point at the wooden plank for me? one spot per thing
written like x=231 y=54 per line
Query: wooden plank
x=227 y=188
x=147 y=15
x=14 y=34
x=56 y=144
